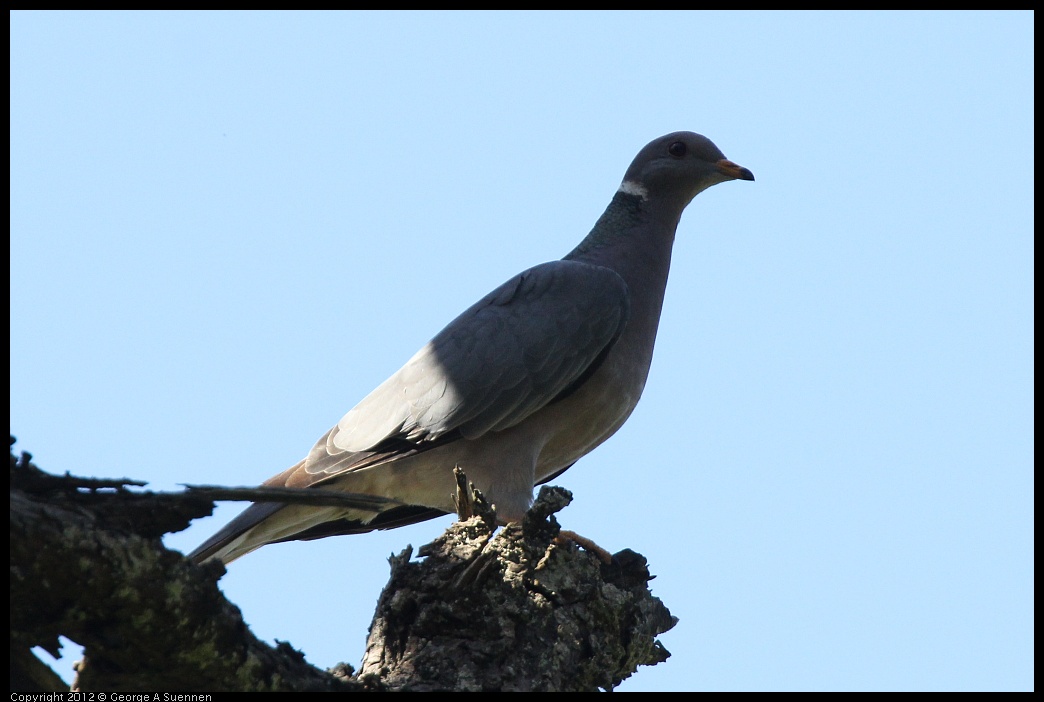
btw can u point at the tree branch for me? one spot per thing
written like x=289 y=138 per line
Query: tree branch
x=483 y=610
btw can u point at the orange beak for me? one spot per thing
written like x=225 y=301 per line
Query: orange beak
x=732 y=170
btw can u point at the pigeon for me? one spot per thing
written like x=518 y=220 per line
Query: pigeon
x=515 y=390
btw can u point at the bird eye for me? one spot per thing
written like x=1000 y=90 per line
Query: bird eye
x=677 y=149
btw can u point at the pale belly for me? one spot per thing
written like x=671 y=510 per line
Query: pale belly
x=581 y=422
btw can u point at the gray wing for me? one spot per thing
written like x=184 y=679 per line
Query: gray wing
x=521 y=347
x=525 y=345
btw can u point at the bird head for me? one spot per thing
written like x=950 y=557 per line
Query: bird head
x=678 y=166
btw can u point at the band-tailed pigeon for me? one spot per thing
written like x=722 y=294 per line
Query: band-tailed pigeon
x=517 y=388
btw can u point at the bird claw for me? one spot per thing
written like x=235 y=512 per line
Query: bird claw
x=565 y=536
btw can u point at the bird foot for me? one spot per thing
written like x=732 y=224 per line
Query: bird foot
x=565 y=536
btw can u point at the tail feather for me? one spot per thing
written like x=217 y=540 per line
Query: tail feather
x=223 y=544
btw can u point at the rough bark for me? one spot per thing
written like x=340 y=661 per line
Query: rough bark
x=87 y=563
x=514 y=611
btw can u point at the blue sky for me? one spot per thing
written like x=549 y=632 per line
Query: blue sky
x=227 y=228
